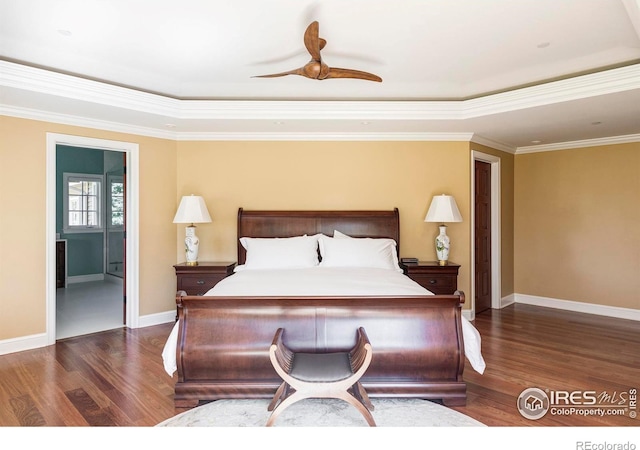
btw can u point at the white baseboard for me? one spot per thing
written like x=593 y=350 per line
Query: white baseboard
x=470 y=314
x=85 y=278
x=23 y=343
x=113 y=279
x=508 y=300
x=157 y=319
x=588 y=308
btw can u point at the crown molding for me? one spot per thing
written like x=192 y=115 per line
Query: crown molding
x=39 y=80
x=612 y=140
x=33 y=79
x=492 y=143
x=65 y=119
x=607 y=82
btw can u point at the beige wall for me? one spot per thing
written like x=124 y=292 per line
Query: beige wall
x=577 y=225
x=23 y=219
x=327 y=175
x=22 y=228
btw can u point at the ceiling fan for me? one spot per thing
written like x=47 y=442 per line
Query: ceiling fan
x=316 y=68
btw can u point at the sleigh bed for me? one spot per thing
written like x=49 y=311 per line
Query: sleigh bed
x=219 y=346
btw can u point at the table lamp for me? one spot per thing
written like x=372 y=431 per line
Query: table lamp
x=192 y=209
x=443 y=209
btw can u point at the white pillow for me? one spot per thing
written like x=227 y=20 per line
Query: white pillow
x=358 y=252
x=396 y=264
x=280 y=253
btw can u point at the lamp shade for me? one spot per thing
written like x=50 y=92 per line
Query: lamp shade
x=443 y=209
x=192 y=209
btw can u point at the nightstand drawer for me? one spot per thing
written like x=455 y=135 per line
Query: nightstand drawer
x=197 y=280
x=436 y=284
x=198 y=284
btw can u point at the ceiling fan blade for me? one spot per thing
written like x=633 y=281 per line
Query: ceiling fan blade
x=298 y=71
x=312 y=40
x=336 y=72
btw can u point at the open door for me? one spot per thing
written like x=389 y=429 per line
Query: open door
x=482 y=236
x=124 y=238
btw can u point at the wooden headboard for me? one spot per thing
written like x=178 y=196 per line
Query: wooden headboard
x=270 y=224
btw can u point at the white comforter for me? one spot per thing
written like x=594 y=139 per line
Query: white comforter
x=324 y=281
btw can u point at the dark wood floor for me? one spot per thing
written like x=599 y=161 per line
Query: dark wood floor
x=552 y=350
x=116 y=378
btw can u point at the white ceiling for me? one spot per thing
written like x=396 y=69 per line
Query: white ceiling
x=502 y=72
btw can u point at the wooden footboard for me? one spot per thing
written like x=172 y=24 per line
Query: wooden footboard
x=223 y=343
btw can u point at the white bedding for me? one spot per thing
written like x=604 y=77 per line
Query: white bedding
x=324 y=281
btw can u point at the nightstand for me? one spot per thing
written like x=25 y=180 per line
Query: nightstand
x=197 y=280
x=431 y=275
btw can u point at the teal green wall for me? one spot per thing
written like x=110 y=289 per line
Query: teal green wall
x=85 y=251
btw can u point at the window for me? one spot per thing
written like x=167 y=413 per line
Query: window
x=115 y=207
x=82 y=202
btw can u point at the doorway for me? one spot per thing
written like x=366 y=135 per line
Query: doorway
x=90 y=222
x=127 y=293
x=485 y=229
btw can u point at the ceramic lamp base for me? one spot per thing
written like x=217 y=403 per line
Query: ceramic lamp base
x=442 y=246
x=191 y=244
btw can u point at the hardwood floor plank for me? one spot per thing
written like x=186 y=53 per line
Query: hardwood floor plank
x=81 y=350
x=90 y=410
x=56 y=407
x=25 y=410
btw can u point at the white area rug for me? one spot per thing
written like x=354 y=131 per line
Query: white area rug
x=322 y=413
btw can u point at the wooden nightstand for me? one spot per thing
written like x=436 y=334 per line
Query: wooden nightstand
x=197 y=280
x=431 y=275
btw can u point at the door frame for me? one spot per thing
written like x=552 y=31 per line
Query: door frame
x=132 y=223
x=495 y=229
x=107 y=208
